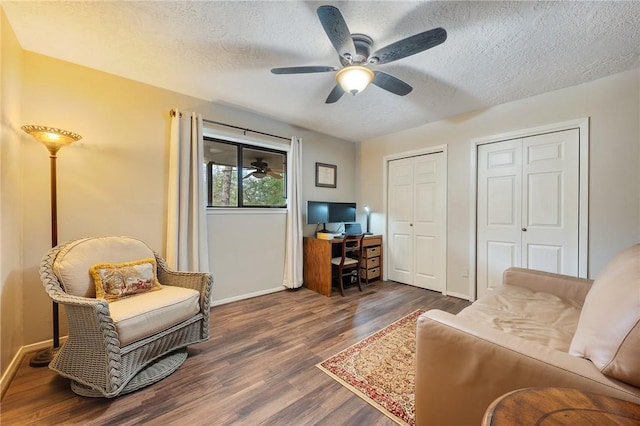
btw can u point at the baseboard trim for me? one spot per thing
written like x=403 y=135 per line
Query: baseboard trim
x=14 y=365
x=458 y=295
x=247 y=296
x=11 y=371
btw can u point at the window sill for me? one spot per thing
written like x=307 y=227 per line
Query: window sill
x=245 y=211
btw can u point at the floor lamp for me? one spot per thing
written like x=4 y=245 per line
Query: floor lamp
x=53 y=140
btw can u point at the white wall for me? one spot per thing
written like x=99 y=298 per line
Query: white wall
x=246 y=253
x=246 y=248
x=328 y=151
x=613 y=105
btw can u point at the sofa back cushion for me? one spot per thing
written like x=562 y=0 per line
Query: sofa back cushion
x=608 y=331
x=74 y=260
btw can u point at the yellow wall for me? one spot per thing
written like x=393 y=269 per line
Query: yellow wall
x=112 y=182
x=10 y=197
x=613 y=105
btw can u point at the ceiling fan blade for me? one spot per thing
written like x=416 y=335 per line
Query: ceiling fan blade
x=249 y=175
x=335 y=94
x=274 y=174
x=302 y=70
x=390 y=83
x=337 y=31
x=409 y=46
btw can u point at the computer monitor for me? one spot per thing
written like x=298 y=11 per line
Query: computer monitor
x=352 y=229
x=342 y=212
x=317 y=212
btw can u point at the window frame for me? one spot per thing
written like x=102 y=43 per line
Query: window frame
x=240 y=146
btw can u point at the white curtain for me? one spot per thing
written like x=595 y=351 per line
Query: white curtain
x=293 y=243
x=187 y=237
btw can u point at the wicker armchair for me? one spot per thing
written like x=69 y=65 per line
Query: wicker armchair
x=93 y=357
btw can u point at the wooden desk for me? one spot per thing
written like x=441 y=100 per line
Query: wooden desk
x=317 y=261
x=559 y=407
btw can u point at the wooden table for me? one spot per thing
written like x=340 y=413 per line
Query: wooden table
x=559 y=407
x=317 y=261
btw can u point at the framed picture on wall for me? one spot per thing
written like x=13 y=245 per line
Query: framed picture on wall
x=326 y=175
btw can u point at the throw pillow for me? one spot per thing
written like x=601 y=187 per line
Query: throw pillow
x=608 y=330
x=117 y=280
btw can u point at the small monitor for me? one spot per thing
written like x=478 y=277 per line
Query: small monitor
x=342 y=212
x=317 y=212
x=352 y=229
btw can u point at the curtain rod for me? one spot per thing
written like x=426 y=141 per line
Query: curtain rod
x=244 y=129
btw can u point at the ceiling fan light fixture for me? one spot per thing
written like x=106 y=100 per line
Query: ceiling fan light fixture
x=354 y=79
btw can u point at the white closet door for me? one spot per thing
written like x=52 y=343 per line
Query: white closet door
x=428 y=218
x=499 y=211
x=416 y=221
x=528 y=206
x=400 y=220
x=551 y=202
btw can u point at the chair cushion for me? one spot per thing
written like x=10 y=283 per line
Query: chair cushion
x=146 y=314
x=347 y=261
x=116 y=280
x=72 y=263
x=608 y=331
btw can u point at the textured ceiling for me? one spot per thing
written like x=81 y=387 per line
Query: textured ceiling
x=222 y=51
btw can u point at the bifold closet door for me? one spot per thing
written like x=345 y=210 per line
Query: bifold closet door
x=528 y=206
x=416 y=221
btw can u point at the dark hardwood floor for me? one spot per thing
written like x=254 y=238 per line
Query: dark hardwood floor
x=258 y=368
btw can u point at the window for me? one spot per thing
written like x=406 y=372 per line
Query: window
x=261 y=183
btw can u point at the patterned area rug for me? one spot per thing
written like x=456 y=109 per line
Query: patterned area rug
x=380 y=369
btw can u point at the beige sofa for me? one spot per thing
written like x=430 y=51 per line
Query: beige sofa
x=537 y=329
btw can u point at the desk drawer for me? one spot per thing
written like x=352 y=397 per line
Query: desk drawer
x=372 y=252
x=370 y=263
x=372 y=241
x=369 y=274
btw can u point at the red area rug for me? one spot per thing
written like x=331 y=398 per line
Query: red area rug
x=380 y=369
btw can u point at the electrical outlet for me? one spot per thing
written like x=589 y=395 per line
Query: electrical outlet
x=465 y=272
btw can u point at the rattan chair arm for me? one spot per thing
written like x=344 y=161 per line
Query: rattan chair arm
x=89 y=302
x=199 y=281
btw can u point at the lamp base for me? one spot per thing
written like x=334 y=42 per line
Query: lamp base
x=43 y=358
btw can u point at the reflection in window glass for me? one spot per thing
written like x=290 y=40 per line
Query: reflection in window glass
x=262 y=182
x=222 y=174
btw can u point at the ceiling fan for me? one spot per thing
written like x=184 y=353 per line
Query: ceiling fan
x=356 y=57
x=262 y=170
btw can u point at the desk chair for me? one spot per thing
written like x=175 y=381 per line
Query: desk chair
x=344 y=265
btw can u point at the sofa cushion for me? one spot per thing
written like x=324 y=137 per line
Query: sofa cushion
x=532 y=315
x=608 y=332
x=116 y=280
x=72 y=263
x=146 y=314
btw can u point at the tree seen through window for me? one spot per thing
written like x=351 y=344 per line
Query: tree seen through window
x=262 y=182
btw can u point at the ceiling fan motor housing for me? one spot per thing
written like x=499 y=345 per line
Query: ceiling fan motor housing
x=363 y=44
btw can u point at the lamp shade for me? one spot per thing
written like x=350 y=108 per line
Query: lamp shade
x=354 y=79
x=52 y=138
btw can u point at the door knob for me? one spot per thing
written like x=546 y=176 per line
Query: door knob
x=524 y=229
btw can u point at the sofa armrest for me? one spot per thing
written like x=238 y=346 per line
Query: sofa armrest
x=462 y=366
x=564 y=286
